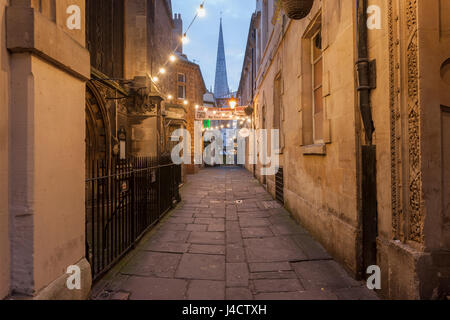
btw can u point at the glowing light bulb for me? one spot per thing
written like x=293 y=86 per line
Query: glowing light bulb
x=170 y=97
x=155 y=79
x=233 y=103
x=196 y=107
x=185 y=39
x=185 y=102
x=205 y=109
x=214 y=112
x=201 y=12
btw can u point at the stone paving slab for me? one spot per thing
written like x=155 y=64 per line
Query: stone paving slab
x=237 y=275
x=323 y=274
x=299 y=295
x=239 y=294
x=171 y=236
x=273 y=275
x=270 y=267
x=206 y=290
x=144 y=288
x=169 y=247
x=197 y=227
x=207 y=249
x=207 y=237
x=200 y=266
x=277 y=285
x=153 y=264
x=261 y=232
x=228 y=239
x=235 y=253
x=275 y=249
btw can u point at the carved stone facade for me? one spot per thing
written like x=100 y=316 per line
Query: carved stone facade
x=322 y=181
x=417 y=153
x=415 y=232
x=407 y=219
x=127 y=42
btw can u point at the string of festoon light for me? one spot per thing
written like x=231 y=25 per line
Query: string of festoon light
x=200 y=13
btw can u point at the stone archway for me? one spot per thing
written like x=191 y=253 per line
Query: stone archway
x=98 y=129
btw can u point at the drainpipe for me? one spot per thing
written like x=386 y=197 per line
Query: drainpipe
x=365 y=70
x=366 y=74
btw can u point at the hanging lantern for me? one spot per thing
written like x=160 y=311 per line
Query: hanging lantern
x=249 y=110
x=297 y=9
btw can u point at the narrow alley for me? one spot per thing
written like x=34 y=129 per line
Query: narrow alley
x=228 y=240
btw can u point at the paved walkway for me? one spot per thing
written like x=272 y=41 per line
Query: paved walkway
x=229 y=240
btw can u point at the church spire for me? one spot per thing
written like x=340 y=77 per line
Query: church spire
x=221 y=88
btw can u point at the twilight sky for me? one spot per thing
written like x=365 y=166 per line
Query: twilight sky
x=204 y=35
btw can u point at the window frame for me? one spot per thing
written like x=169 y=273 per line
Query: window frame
x=314 y=88
x=184 y=91
x=310 y=146
x=178 y=77
x=181 y=84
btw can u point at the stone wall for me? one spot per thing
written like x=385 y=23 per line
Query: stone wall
x=162 y=44
x=320 y=181
x=47 y=150
x=148 y=34
x=4 y=157
x=136 y=39
x=411 y=113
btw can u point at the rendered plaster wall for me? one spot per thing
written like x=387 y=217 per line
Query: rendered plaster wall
x=47 y=87
x=4 y=157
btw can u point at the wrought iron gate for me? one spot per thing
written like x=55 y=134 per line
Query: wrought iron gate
x=124 y=199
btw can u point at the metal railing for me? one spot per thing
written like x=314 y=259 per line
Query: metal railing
x=124 y=199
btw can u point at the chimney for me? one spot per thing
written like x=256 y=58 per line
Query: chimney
x=178 y=33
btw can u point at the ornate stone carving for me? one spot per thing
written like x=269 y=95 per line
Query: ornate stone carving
x=140 y=102
x=393 y=106
x=415 y=174
x=410 y=226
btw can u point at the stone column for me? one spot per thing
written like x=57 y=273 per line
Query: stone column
x=49 y=68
